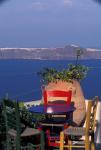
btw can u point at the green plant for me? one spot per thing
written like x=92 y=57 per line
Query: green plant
x=77 y=72
x=73 y=72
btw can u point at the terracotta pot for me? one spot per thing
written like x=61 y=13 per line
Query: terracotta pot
x=77 y=98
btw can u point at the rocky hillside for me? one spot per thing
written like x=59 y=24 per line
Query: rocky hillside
x=67 y=52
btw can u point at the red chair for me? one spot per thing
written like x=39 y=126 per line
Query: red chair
x=58 y=94
x=57 y=98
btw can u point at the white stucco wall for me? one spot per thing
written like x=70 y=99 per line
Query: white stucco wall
x=31 y=103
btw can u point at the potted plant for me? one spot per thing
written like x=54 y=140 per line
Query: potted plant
x=73 y=72
x=68 y=79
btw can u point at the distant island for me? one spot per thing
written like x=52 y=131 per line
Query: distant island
x=67 y=52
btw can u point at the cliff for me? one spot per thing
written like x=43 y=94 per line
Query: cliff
x=67 y=52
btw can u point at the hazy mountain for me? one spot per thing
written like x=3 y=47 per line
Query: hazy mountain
x=67 y=52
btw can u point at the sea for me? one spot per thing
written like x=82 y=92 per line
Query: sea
x=20 y=80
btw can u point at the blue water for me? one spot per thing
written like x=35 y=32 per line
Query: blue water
x=20 y=80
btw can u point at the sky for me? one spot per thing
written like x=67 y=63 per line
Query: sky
x=50 y=23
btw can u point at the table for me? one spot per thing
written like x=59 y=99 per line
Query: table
x=51 y=111
x=52 y=127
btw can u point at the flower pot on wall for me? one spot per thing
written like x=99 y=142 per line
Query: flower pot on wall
x=77 y=98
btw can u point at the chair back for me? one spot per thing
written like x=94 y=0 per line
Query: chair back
x=58 y=94
x=12 y=116
x=91 y=115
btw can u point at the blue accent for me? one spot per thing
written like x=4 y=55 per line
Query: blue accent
x=55 y=109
